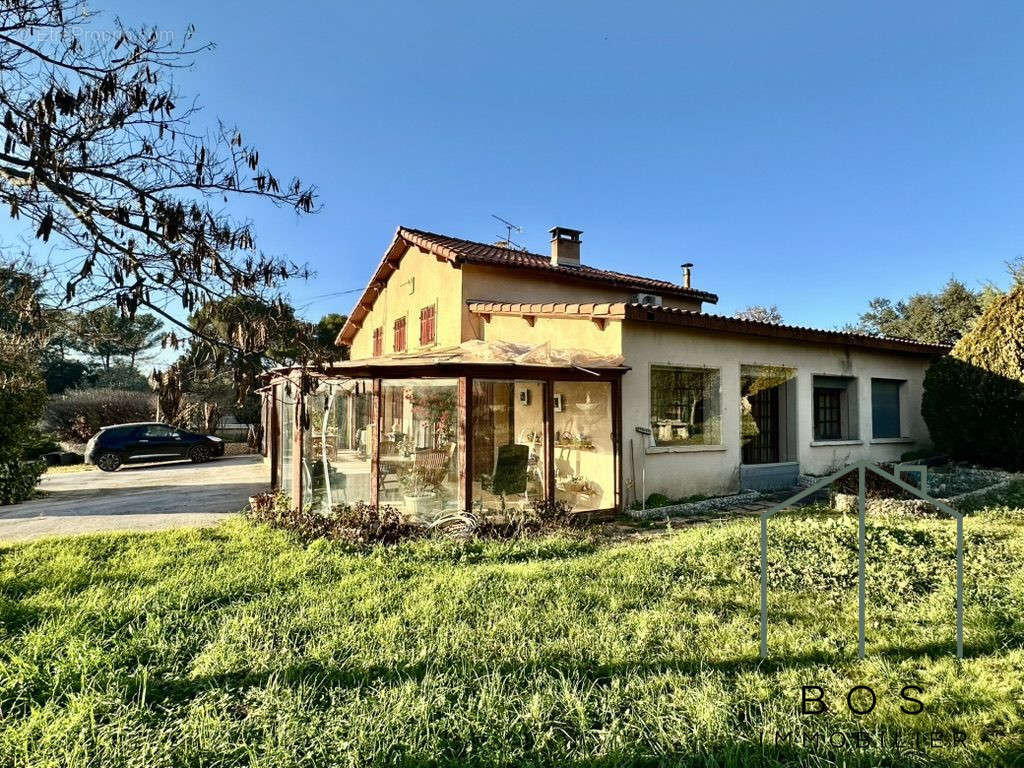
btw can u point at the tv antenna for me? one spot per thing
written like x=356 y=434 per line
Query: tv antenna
x=509 y=228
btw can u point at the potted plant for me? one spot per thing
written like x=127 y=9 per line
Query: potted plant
x=419 y=491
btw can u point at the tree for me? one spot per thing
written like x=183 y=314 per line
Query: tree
x=106 y=334
x=760 y=314
x=99 y=158
x=326 y=332
x=22 y=391
x=974 y=397
x=935 y=318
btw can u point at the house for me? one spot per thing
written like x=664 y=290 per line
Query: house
x=482 y=376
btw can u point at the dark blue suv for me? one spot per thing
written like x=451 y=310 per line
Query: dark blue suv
x=148 y=441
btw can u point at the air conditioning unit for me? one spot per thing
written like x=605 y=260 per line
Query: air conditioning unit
x=647 y=298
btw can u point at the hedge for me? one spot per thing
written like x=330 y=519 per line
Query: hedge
x=79 y=414
x=974 y=398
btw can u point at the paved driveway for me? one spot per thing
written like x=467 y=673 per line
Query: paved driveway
x=142 y=497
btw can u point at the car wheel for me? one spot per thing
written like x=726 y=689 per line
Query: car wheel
x=199 y=454
x=108 y=462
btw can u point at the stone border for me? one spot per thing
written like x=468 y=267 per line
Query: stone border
x=695 y=507
x=847 y=502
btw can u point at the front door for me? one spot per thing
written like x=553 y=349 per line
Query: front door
x=762 y=447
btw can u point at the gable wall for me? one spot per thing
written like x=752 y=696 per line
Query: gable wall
x=420 y=280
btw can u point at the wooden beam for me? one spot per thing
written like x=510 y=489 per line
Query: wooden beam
x=464 y=452
x=297 y=447
x=548 y=391
x=377 y=416
x=273 y=432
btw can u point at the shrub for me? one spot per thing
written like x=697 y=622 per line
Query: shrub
x=22 y=396
x=36 y=443
x=974 y=398
x=357 y=523
x=18 y=479
x=657 y=500
x=79 y=414
x=363 y=524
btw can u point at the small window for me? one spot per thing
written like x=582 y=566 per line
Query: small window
x=685 y=406
x=399 y=341
x=428 y=331
x=885 y=408
x=157 y=430
x=835 y=408
x=378 y=342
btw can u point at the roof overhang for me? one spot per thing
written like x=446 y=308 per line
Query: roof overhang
x=705 y=322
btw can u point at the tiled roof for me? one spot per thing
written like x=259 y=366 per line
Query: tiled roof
x=704 y=321
x=467 y=251
x=460 y=251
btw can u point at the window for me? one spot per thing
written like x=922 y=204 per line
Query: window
x=378 y=342
x=399 y=339
x=428 y=331
x=835 y=408
x=685 y=406
x=158 y=430
x=885 y=408
x=828 y=423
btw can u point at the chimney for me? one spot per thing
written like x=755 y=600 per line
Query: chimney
x=687 y=269
x=565 y=247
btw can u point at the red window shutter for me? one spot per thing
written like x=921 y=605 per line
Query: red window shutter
x=400 y=335
x=427 y=325
x=378 y=342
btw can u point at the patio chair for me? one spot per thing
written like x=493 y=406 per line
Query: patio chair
x=510 y=470
x=434 y=462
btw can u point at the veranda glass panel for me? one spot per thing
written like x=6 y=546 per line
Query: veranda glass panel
x=584 y=448
x=508 y=452
x=418 y=462
x=285 y=451
x=338 y=445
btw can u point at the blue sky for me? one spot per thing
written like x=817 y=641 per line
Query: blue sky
x=801 y=154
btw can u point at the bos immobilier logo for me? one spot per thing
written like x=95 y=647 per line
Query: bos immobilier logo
x=862 y=468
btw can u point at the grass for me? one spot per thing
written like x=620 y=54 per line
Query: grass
x=69 y=469
x=236 y=646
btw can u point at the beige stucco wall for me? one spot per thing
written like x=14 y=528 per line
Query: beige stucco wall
x=492 y=284
x=419 y=281
x=678 y=472
x=562 y=333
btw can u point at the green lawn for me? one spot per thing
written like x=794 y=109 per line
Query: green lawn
x=238 y=646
